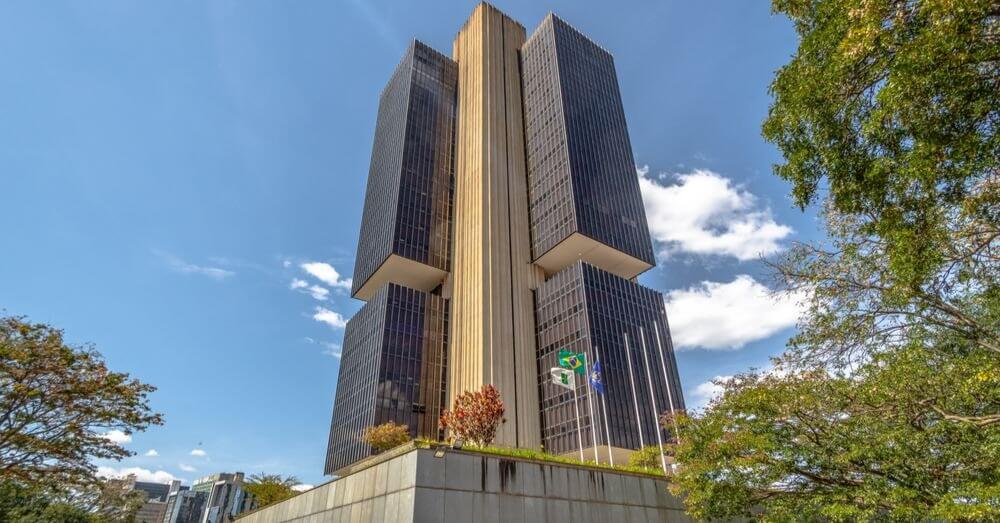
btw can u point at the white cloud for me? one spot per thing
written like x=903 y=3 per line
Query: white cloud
x=186 y=468
x=332 y=349
x=727 y=316
x=159 y=476
x=704 y=213
x=198 y=452
x=325 y=273
x=705 y=392
x=151 y=453
x=317 y=292
x=117 y=436
x=331 y=318
x=302 y=487
x=178 y=265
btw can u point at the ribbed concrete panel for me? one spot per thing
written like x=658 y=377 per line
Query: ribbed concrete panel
x=493 y=333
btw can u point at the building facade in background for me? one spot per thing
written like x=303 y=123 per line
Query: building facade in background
x=184 y=506
x=224 y=497
x=503 y=224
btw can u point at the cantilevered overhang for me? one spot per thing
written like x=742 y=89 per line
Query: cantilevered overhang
x=402 y=271
x=581 y=247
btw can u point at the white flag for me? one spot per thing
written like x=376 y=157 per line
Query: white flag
x=564 y=378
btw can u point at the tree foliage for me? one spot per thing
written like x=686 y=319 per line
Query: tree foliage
x=812 y=445
x=650 y=456
x=97 y=502
x=475 y=416
x=386 y=436
x=56 y=404
x=892 y=107
x=271 y=488
x=886 y=404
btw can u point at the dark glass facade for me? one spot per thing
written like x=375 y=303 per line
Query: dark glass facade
x=581 y=173
x=392 y=369
x=407 y=208
x=585 y=309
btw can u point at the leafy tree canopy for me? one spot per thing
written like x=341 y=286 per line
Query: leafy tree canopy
x=884 y=443
x=886 y=404
x=98 y=502
x=56 y=404
x=271 y=488
x=894 y=104
x=386 y=436
x=475 y=416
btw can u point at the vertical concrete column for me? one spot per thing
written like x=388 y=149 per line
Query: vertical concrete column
x=492 y=323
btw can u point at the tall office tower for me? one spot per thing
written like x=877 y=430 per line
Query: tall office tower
x=502 y=192
x=395 y=347
x=406 y=225
x=590 y=236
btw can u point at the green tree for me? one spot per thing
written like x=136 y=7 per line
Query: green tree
x=813 y=445
x=386 y=436
x=99 y=502
x=271 y=488
x=886 y=404
x=650 y=456
x=890 y=108
x=56 y=404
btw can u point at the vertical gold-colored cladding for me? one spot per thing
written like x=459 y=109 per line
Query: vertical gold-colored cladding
x=492 y=313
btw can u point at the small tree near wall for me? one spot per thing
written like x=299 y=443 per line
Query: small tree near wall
x=386 y=436
x=475 y=416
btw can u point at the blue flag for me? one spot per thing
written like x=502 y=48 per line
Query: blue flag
x=595 y=378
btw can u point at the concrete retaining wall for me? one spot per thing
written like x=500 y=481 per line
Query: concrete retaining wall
x=416 y=486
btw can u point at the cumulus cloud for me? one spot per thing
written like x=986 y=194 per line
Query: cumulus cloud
x=151 y=453
x=325 y=273
x=302 y=487
x=176 y=264
x=141 y=474
x=704 y=213
x=186 y=468
x=727 y=316
x=316 y=291
x=198 y=452
x=705 y=392
x=331 y=318
x=117 y=436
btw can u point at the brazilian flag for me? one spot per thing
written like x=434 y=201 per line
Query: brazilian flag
x=574 y=361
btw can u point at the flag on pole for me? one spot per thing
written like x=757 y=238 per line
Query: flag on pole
x=595 y=378
x=572 y=360
x=563 y=378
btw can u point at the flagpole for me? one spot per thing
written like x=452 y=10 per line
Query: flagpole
x=652 y=397
x=631 y=379
x=590 y=403
x=607 y=427
x=579 y=431
x=670 y=397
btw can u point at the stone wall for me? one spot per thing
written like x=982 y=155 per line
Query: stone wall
x=415 y=486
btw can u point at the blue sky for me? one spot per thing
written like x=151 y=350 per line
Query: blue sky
x=172 y=171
